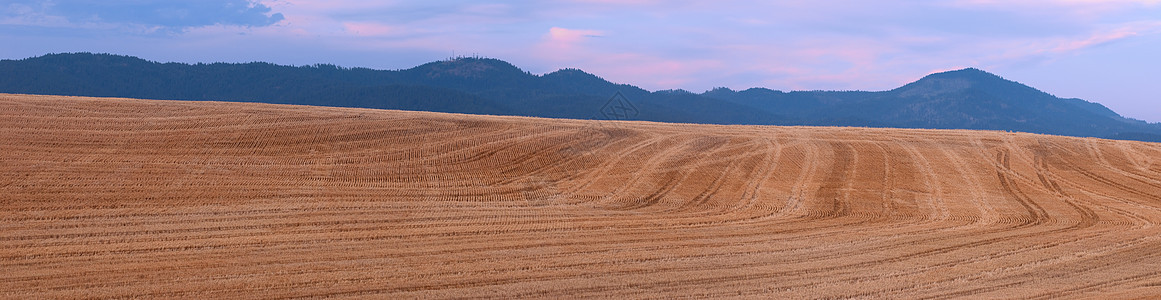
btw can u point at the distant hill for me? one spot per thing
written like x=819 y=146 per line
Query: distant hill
x=962 y=99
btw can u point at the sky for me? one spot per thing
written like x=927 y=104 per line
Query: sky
x=1106 y=51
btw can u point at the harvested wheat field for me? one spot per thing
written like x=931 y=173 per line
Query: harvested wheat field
x=141 y=198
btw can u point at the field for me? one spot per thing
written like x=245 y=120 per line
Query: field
x=141 y=198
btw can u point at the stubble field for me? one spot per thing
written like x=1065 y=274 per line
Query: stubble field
x=139 y=198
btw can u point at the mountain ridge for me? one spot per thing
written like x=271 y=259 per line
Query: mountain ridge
x=968 y=98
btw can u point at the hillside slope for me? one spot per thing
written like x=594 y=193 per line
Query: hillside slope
x=962 y=99
x=136 y=198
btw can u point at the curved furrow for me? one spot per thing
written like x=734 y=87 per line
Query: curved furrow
x=123 y=198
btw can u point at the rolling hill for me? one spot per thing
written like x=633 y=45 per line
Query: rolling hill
x=962 y=99
x=125 y=198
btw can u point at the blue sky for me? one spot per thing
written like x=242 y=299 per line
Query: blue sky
x=1099 y=50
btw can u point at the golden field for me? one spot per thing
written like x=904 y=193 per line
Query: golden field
x=122 y=198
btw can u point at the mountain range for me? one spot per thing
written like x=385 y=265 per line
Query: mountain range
x=962 y=99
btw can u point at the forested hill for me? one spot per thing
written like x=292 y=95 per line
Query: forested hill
x=963 y=99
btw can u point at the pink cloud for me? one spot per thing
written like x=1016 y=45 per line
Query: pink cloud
x=1104 y=37
x=1050 y=48
x=1097 y=39
x=565 y=35
x=563 y=44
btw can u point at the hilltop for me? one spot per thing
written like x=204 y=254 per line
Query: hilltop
x=962 y=99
